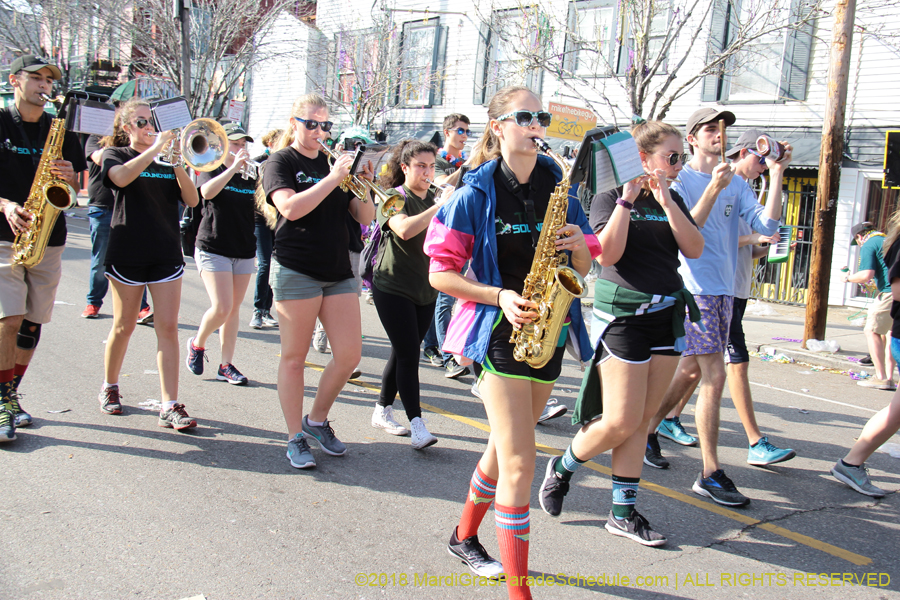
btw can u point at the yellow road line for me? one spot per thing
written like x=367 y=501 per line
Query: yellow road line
x=856 y=559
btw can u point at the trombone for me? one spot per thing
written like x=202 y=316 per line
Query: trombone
x=201 y=146
x=389 y=201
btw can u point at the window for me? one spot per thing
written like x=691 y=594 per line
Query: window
x=591 y=38
x=772 y=67
x=422 y=49
x=500 y=61
x=357 y=62
x=633 y=24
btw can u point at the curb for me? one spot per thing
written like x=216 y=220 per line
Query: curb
x=826 y=359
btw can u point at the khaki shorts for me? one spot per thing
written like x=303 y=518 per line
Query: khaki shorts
x=29 y=292
x=878 y=317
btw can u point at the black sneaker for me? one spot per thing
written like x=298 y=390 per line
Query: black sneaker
x=553 y=490
x=867 y=360
x=230 y=374
x=471 y=552
x=653 y=455
x=721 y=489
x=22 y=418
x=636 y=528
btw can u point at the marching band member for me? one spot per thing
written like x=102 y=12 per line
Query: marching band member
x=485 y=223
x=145 y=249
x=310 y=273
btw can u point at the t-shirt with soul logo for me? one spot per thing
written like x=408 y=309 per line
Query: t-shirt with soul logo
x=144 y=227
x=316 y=243
x=649 y=263
x=227 y=225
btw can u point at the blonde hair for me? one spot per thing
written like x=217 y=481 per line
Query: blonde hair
x=269 y=138
x=650 y=134
x=488 y=146
x=268 y=211
x=124 y=114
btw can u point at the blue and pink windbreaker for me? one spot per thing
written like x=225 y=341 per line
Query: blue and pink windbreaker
x=464 y=229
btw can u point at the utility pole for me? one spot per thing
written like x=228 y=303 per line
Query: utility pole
x=182 y=13
x=829 y=171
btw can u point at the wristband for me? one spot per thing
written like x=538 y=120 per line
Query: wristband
x=625 y=204
x=498 y=297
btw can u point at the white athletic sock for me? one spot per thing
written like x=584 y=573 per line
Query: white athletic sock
x=109 y=385
x=314 y=423
x=168 y=405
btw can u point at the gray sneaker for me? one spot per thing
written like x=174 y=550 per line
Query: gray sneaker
x=455 y=370
x=857 y=478
x=325 y=436
x=256 y=322
x=320 y=341
x=299 y=454
x=268 y=320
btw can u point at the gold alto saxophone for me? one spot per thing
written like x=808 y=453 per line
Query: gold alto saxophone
x=48 y=196
x=551 y=283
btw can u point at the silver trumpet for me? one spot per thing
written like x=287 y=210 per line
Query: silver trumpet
x=442 y=192
x=250 y=168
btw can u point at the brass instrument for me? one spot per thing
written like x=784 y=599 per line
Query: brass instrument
x=48 y=196
x=250 y=168
x=442 y=192
x=201 y=145
x=550 y=283
x=390 y=202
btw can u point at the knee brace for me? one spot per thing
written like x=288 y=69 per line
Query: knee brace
x=29 y=335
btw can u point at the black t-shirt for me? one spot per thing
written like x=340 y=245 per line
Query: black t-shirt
x=19 y=159
x=99 y=194
x=892 y=260
x=227 y=225
x=316 y=243
x=515 y=246
x=649 y=263
x=354 y=232
x=144 y=227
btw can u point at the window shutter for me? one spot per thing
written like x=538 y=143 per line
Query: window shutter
x=569 y=52
x=440 y=53
x=797 y=56
x=718 y=29
x=482 y=55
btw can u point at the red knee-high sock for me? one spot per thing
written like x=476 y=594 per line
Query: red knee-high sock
x=513 y=527
x=18 y=373
x=6 y=379
x=482 y=490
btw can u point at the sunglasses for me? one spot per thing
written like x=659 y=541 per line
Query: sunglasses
x=141 y=123
x=524 y=118
x=760 y=157
x=311 y=124
x=461 y=131
x=675 y=157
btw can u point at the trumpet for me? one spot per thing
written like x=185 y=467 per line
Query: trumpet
x=442 y=192
x=250 y=168
x=390 y=201
x=201 y=146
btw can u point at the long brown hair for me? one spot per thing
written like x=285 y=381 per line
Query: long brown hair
x=403 y=153
x=124 y=113
x=488 y=146
x=892 y=233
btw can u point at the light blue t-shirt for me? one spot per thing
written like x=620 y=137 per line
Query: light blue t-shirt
x=744 y=273
x=713 y=273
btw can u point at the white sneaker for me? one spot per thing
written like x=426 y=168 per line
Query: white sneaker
x=420 y=436
x=383 y=418
x=320 y=341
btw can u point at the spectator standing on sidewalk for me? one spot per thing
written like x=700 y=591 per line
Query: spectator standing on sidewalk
x=878 y=316
x=265 y=241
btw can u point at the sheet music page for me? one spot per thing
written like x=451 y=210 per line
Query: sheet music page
x=626 y=159
x=95 y=118
x=171 y=114
x=603 y=172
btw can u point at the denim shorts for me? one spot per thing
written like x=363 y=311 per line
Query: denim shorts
x=216 y=263
x=288 y=284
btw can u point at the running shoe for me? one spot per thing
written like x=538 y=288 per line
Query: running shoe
x=324 y=434
x=421 y=438
x=553 y=490
x=857 y=478
x=299 y=454
x=145 y=317
x=866 y=360
x=22 y=418
x=763 y=453
x=672 y=429
x=433 y=355
x=231 y=375
x=111 y=400
x=653 y=455
x=383 y=418
x=176 y=418
x=320 y=341
x=455 y=370
x=636 y=528
x=195 y=357
x=720 y=488
x=356 y=372
x=256 y=321
x=7 y=424
x=268 y=320
x=92 y=311
x=473 y=554
x=553 y=410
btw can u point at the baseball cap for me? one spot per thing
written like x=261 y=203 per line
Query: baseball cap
x=235 y=132
x=859 y=229
x=747 y=141
x=707 y=115
x=33 y=64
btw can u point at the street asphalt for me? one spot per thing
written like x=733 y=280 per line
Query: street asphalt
x=114 y=507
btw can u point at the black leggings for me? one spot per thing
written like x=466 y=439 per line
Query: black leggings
x=405 y=324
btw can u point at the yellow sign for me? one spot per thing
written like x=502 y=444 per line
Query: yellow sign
x=570 y=122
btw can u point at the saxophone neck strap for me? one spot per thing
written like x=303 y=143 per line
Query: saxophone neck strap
x=25 y=140
x=512 y=184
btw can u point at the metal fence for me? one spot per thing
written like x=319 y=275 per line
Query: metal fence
x=787 y=282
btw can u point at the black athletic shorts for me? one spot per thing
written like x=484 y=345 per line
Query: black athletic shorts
x=634 y=339
x=499 y=359
x=145 y=275
x=736 y=350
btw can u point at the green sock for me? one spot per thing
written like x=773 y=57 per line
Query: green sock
x=568 y=464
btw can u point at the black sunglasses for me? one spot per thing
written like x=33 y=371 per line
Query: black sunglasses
x=311 y=124
x=524 y=118
x=461 y=131
x=675 y=157
x=141 y=123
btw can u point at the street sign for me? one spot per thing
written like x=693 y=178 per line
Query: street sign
x=236 y=110
x=891 y=180
x=570 y=122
